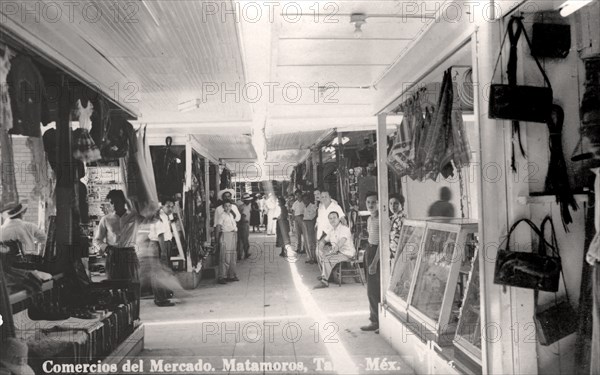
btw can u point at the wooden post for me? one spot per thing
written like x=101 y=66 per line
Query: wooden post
x=188 y=187
x=505 y=316
x=207 y=198
x=384 y=223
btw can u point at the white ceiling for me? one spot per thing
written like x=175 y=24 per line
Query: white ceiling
x=177 y=49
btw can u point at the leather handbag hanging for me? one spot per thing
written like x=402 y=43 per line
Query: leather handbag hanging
x=528 y=270
x=517 y=102
x=556 y=319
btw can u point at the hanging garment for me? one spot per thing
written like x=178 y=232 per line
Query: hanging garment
x=141 y=186
x=10 y=196
x=84 y=147
x=27 y=96
x=435 y=144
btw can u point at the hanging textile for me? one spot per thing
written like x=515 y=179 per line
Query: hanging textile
x=84 y=147
x=435 y=143
x=27 y=97
x=141 y=186
x=10 y=196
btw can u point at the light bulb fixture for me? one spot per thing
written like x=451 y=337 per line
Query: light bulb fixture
x=569 y=7
x=358 y=19
x=189 y=105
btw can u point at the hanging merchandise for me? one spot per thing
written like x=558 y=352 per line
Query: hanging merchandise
x=27 y=97
x=398 y=158
x=10 y=196
x=590 y=112
x=528 y=270
x=557 y=319
x=515 y=102
x=169 y=174
x=557 y=180
x=141 y=186
x=119 y=138
x=438 y=143
x=84 y=147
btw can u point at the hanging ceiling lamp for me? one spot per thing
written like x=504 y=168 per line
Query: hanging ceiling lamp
x=358 y=19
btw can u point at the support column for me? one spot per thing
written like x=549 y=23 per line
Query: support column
x=507 y=346
x=207 y=199
x=382 y=187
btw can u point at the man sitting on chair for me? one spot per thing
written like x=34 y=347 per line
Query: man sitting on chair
x=336 y=247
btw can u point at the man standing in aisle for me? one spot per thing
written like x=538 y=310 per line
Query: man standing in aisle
x=224 y=196
x=160 y=236
x=371 y=263
x=244 y=227
x=298 y=212
x=15 y=229
x=116 y=237
x=271 y=206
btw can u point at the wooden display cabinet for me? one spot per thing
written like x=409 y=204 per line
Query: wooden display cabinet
x=426 y=282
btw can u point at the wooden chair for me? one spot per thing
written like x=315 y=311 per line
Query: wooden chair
x=352 y=269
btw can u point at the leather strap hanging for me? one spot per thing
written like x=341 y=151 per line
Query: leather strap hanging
x=517 y=102
x=557 y=179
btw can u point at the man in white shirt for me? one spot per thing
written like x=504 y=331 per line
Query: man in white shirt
x=116 y=236
x=227 y=239
x=15 y=229
x=245 y=209
x=224 y=196
x=160 y=236
x=327 y=206
x=298 y=211
x=339 y=248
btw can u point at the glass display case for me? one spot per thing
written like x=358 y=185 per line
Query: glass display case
x=428 y=277
x=468 y=332
x=409 y=243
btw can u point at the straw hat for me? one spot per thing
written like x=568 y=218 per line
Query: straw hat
x=230 y=191
x=14 y=211
x=14 y=357
x=246 y=197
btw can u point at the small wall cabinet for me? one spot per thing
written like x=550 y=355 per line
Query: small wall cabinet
x=430 y=273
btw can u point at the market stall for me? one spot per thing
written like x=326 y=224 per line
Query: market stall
x=81 y=145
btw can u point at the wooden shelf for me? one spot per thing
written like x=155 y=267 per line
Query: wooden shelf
x=548 y=199
x=130 y=348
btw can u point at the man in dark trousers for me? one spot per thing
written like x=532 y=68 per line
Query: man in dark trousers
x=371 y=263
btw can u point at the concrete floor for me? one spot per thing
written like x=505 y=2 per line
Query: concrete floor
x=271 y=315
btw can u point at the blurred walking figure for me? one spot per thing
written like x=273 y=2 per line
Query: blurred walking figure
x=227 y=229
x=442 y=207
x=160 y=237
x=272 y=207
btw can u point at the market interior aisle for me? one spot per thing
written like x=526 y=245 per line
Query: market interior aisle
x=271 y=315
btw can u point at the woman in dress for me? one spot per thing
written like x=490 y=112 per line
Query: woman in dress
x=227 y=229
x=255 y=215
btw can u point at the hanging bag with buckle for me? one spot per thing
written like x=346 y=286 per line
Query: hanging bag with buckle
x=527 y=270
x=517 y=102
x=557 y=319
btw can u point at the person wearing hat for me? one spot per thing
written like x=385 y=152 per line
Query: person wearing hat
x=13 y=357
x=224 y=195
x=15 y=229
x=245 y=209
x=272 y=207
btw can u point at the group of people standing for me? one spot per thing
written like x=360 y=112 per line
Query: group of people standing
x=322 y=233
